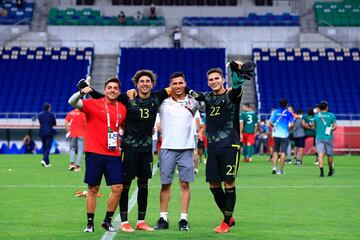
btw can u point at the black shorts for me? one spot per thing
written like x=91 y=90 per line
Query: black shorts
x=281 y=144
x=299 y=142
x=98 y=165
x=222 y=164
x=200 y=144
x=137 y=164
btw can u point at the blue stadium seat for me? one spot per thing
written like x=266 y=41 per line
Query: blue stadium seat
x=309 y=78
x=164 y=61
x=37 y=76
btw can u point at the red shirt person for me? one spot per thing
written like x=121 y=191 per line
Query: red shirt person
x=75 y=123
x=104 y=117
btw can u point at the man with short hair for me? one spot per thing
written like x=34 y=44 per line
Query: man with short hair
x=176 y=117
x=223 y=131
x=137 y=142
x=104 y=117
x=248 y=127
x=46 y=132
x=281 y=120
x=325 y=124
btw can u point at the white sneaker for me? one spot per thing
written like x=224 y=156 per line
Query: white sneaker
x=43 y=163
x=280 y=172
x=49 y=165
x=196 y=171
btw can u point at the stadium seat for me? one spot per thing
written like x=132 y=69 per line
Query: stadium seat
x=309 y=75
x=164 y=61
x=46 y=70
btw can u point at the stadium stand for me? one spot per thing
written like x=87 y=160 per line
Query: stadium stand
x=194 y=62
x=253 y=19
x=307 y=76
x=89 y=17
x=346 y=13
x=177 y=2
x=12 y=14
x=32 y=76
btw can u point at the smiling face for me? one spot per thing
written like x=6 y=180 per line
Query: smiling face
x=111 y=91
x=144 y=85
x=216 y=82
x=177 y=86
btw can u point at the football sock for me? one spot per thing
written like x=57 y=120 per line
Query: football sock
x=108 y=216
x=219 y=197
x=183 y=216
x=245 y=150
x=142 y=199
x=249 y=151
x=230 y=199
x=90 y=219
x=164 y=215
x=124 y=201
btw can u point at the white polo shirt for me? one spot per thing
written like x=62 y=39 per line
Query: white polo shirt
x=176 y=122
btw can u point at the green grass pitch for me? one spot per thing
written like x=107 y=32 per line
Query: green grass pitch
x=39 y=203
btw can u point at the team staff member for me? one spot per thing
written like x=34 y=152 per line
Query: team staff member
x=281 y=120
x=104 y=117
x=325 y=124
x=137 y=143
x=75 y=124
x=46 y=132
x=223 y=131
x=177 y=150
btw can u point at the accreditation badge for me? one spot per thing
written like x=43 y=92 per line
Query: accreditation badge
x=112 y=140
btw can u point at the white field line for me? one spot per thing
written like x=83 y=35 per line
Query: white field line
x=195 y=187
x=132 y=202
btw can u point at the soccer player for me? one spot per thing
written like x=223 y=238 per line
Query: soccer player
x=176 y=119
x=325 y=124
x=75 y=124
x=248 y=128
x=223 y=131
x=104 y=117
x=308 y=124
x=137 y=143
x=281 y=120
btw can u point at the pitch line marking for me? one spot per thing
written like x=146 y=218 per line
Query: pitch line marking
x=117 y=220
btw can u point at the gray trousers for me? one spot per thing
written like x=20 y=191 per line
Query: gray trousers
x=76 y=145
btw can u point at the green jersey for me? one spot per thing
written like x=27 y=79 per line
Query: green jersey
x=250 y=119
x=324 y=121
x=309 y=119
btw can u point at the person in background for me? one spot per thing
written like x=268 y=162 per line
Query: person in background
x=152 y=13
x=281 y=120
x=122 y=18
x=46 y=132
x=299 y=138
x=325 y=124
x=248 y=128
x=75 y=124
x=29 y=145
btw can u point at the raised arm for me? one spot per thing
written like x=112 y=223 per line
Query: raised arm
x=75 y=99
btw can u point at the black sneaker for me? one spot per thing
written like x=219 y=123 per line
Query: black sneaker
x=321 y=174
x=273 y=171
x=183 y=225
x=89 y=229
x=331 y=172
x=108 y=227
x=161 y=224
